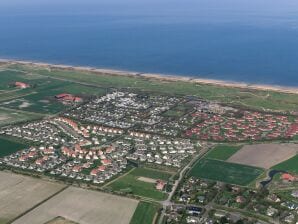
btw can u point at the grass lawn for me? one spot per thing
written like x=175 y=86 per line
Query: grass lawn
x=291 y=165
x=130 y=183
x=8 y=147
x=222 y=152
x=144 y=214
x=225 y=172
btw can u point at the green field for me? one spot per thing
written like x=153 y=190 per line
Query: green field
x=222 y=152
x=40 y=97
x=291 y=165
x=144 y=214
x=236 y=96
x=225 y=172
x=8 y=147
x=129 y=183
x=8 y=116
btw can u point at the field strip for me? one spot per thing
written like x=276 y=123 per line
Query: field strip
x=107 y=184
x=17 y=97
x=164 y=171
x=38 y=204
x=23 y=112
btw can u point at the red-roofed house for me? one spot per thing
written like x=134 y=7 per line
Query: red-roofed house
x=288 y=177
x=21 y=85
x=160 y=185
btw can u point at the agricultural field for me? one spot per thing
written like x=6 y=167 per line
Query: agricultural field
x=264 y=155
x=83 y=206
x=241 y=97
x=21 y=193
x=8 y=116
x=140 y=182
x=222 y=152
x=144 y=214
x=290 y=165
x=225 y=172
x=8 y=147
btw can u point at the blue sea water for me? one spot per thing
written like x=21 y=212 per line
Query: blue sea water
x=255 y=41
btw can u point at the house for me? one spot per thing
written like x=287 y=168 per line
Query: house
x=271 y=211
x=194 y=210
x=288 y=177
x=21 y=85
x=240 y=199
x=295 y=193
x=160 y=184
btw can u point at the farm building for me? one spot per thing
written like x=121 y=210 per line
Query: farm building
x=66 y=97
x=21 y=85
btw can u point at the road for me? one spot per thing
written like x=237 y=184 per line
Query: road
x=168 y=202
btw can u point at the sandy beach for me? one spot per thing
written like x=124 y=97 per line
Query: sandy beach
x=162 y=77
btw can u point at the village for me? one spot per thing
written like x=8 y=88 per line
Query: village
x=90 y=153
x=152 y=139
x=205 y=201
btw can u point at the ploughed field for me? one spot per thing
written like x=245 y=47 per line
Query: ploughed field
x=225 y=172
x=84 y=207
x=264 y=155
x=20 y=193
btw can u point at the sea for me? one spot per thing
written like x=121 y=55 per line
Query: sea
x=253 y=41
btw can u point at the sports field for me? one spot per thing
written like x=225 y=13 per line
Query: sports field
x=144 y=214
x=84 y=207
x=130 y=183
x=222 y=152
x=225 y=172
x=8 y=147
x=290 y=165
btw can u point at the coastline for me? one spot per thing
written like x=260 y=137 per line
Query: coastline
x=161 y=77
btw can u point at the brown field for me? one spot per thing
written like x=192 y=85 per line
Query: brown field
x=20 y=193
x=264 y=155
x=4 y=117
x=147 y=180
x=84 y=207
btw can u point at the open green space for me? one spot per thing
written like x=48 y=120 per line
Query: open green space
x=144 y=214
x=225 y=172
x=290 y=165
x=131 y=184
x=178 y=111
x=8 y=147
x=8 y=116
x=235 y=96
x=40 y=97
x=222 y=152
